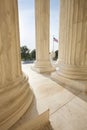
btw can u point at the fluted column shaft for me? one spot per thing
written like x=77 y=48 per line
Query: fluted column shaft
x=42 y=20
x=15 y=94
x=73 y=39
x=10 y=67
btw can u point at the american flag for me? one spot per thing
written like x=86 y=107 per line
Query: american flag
x=54 y=39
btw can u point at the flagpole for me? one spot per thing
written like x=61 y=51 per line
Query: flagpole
x=53 y=43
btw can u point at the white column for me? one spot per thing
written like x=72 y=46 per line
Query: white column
x=42 y=18
x=73 y=39
x=15 y=94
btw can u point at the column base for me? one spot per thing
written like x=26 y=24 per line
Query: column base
x=40 y=122
x=15 y=99
x=42 y=67
x=80 y=85
x=58 y=62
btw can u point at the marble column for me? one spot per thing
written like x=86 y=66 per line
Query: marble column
x=15 y=94
x=73 y=40
x=42 y=20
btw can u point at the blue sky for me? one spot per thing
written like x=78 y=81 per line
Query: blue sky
x=27 y=23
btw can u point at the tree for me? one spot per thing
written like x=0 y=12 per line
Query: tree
x=33 y=54
x=56 y=55
x=25 y=53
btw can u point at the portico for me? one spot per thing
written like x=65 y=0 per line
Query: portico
x=16 y=95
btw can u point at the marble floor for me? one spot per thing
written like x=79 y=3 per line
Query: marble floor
x=68 y=108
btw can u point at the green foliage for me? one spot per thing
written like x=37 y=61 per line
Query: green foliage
x=33 y=54
x=26 y=54
x=56 y=55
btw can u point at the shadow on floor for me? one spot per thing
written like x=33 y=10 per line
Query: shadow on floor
x=78 y=93
x=27 y=62
x=30 y=114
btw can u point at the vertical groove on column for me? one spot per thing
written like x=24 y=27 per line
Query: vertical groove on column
x=68 y=30
x=80 y=26
x=65 y=32
x=76 y=42
x=79 y=29
x=74 y=37
x=18 y=39
x=85 y=18
x=66 y=40
x=61 y=31
x=71 y=30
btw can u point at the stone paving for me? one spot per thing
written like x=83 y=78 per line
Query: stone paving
x=68 y=108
